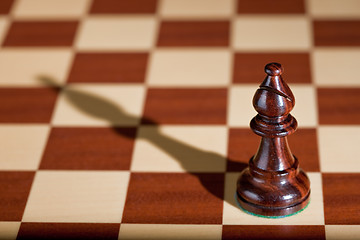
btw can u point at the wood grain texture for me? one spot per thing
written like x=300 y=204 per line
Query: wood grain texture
x=274 y=6
x=41 y=33
x=336 y=32
x=109 y=67
x=186 y=106
x=246 y=66
x=26 y=105
x=123 y=6
x=341 y=198
x=272 y=232
x=339 y=105
x=174 y=198
x=194 y=33
x=89 y=149
x=14 y=187
x=29 y=230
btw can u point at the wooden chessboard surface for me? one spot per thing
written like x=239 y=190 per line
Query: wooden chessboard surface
x=130 y=119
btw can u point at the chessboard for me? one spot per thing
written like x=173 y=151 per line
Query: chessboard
x=129 y=119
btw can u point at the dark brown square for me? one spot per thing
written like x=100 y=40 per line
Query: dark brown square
x=123 y=6
x=26 y=105
x=336 y=33
x=194 y=33
x=341 y=198
x=272 y=232
x=186 y=106
x=5 y=6
x=109 y=67
x=68 y=231
x=339 y=105
x=174 y=198
x=273 y=6
x=249 y=67
x=89 y=149
x=14 y=191
x=41 y=33
x=243 y=144
x=303 y=144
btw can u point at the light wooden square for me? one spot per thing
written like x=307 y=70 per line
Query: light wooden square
x=343 y=232
x=334 y=9
x=22 y=146
x=180 y=149
x=342 y=72
x=117 y=33
x=271 y=33
x=26 y=67
x=339 y=144
x=197 y=8
x=50 y=9
x=99 y=105
x=190 y=68
x=9 y=230
x=77 y=196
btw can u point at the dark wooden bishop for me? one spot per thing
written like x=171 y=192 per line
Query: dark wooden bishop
x=273 y=184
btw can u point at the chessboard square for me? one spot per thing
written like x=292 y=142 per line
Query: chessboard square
x=5 y=6
x=45 y=9
x=180 y=149
x=14 y=191
x=190 y=68
x=109 y=67
x=341 y=198
x=334 y=107
x=185 y=106
x=339 y=143
x=150 y=195
x=243 y=144
x=194 y=33
x=26 y=105
x=99 y=105
x=305 y=110
x=68 y=231
x=336 y=33
x=77 y=196
x=117 y=33
x=24 y=146
x=9 y=230
x=312 y=215
x=257 y=33
x=170 y=231
x=249 y=67
x=4 y=25
x=304 y=145
x=196 y=8
x=28 y=67
x=270 y=7
x=41 y=33
x=334 y=9
x=123 y=6
x=342 y=72
x=257 y=232
x=89 y=149
x=240 y=108
x=344 y=232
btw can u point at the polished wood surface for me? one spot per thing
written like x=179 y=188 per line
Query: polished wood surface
x=273 y=184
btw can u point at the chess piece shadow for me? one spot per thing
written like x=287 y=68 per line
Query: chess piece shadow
x=101 y=108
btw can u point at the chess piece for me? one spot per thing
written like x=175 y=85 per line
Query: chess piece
x=273 y=184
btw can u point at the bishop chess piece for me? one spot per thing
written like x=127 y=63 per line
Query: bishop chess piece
x=273 y=185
